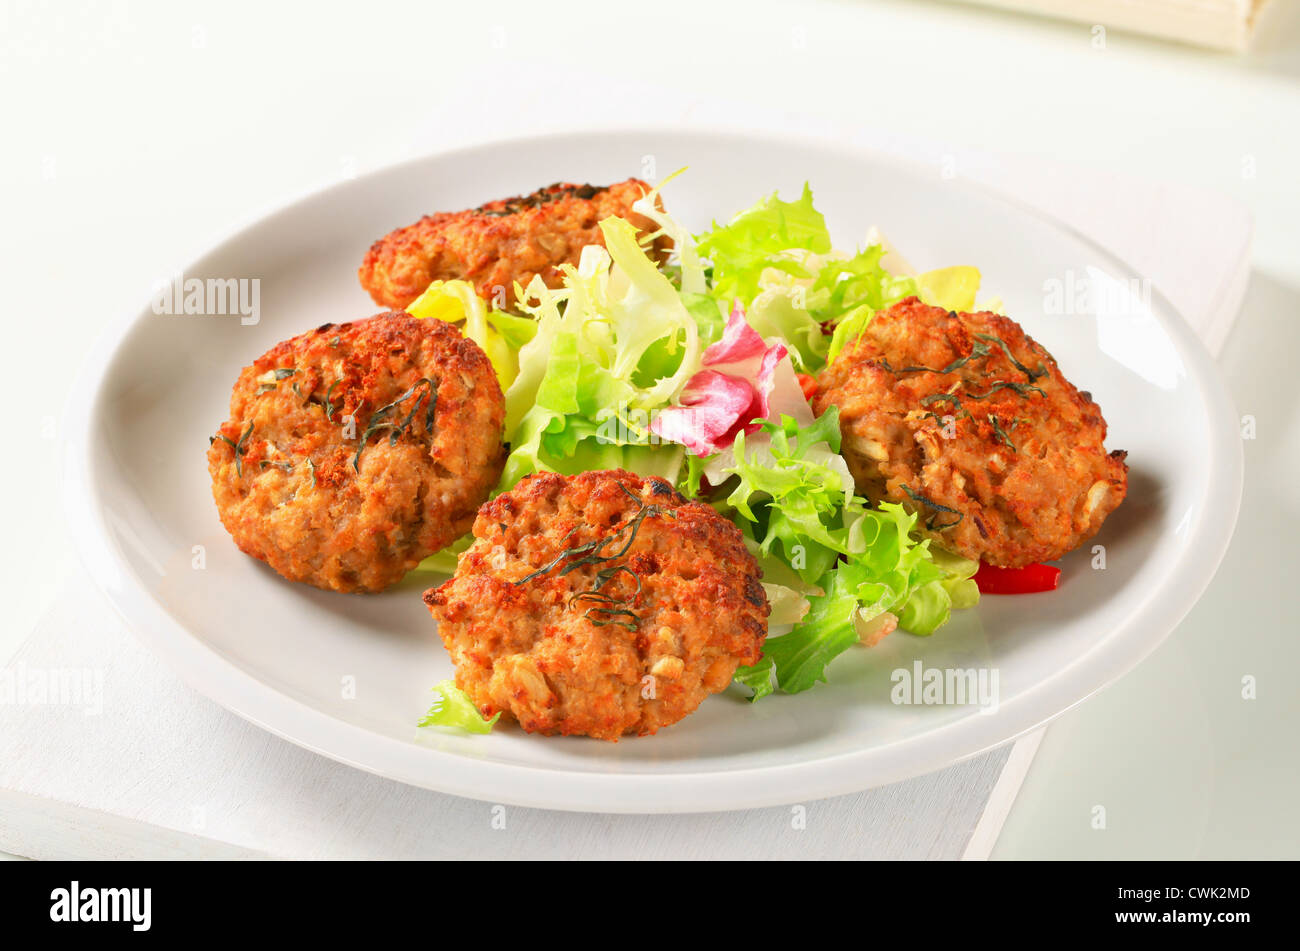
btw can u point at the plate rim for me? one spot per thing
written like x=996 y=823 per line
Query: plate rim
x=240 y=692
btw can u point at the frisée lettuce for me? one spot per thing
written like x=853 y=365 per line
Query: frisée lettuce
x=777 y=259
x=613 y=344
x=453 y=708
x=797 y=497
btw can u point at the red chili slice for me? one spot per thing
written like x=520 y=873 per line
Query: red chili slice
x=1026 y=580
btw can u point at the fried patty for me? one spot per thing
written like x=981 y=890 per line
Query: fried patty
x=965 y=420
x=357 y=449
x=599 y=604
x=500 y=243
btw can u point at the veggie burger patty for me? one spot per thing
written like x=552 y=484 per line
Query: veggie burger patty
x=355 y=450
x=499 y=244
x=599 y=604
x=967 y=421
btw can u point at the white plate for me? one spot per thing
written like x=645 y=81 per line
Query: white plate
x=281 y=654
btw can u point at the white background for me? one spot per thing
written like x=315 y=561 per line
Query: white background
x=136 y=133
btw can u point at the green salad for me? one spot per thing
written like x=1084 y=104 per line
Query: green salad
x=690 y=371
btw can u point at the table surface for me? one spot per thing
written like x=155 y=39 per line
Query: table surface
x=138 y=133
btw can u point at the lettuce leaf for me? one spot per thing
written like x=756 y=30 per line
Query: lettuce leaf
x=777 y=312
x=689 y=479
x=613 y=344
x=685 y=258
x=444 y=562
x=845 y=285
x=758 y=677
x=710 y=316
x=891 y=573
x=930 y=605
x=952 y=288
x=799 y=658
x=795 y=498
x=803 y=485
x=776 y=258
x=453 y=708
x=763 y=237
x=500 y=335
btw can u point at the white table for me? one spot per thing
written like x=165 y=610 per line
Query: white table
x=136 y=136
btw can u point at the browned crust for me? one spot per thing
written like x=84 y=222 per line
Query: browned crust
x=296 y=501
x=499 y=244
x=531 y=652
x=1011 y=506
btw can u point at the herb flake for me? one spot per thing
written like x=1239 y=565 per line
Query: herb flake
x=382 y=419
x=239 y=448
x=1032 y=374
x=1001 y=433
x=607 y=609
x=930 y=522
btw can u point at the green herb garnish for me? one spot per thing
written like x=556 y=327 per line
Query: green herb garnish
x=329 y=410
x=282 y=373
x=239 y=448
x=942 y=419
x=1001 y=433
x=609 y=609
x=943 y=398
x=1032 y=374
x=930 y=522
x=1023 y=389
x=977 y=351
x=380 y=420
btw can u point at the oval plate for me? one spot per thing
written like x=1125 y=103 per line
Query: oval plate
x=349 y=675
